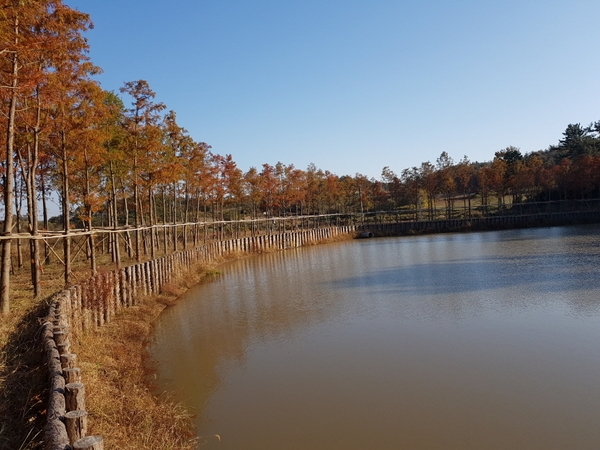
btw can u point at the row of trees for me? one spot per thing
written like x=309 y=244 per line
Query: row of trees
x=118 y=160
x=510 y=178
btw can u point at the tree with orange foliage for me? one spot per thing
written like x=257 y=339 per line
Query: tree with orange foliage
x=430 y=184
x=314 y=195
x=295 y=188
x=228 y=185
x=497 y=179
x=270 y=187
x=87 y=120
x=333 y=192
x=464 y=181
x=446 y=181
x=393 y=185
x=252 y=185
x=142 y=141
x=114 y=168
x=412 y=180
x=363 y=192
x=170 y=168
x=483 y=179
x=17 y=38
x=195 y=172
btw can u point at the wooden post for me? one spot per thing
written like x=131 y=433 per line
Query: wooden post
x=160 y=273
x=137 y=283
x=76 y=307
x=85 y=305
x=75 y=396
x=89 y=443
x=141 y=279
x=130 y=286
x=109 y=289
x=169 y=268
x=55 y=432
x=76 y=423
x=100 y=295
x=150 y=276
x=60 y=335
x=155 y=276
x=72 y=375
x=67 y=307
x=64 y=347
x=96 y=302
x=62 y=310
x=146 y=278
x=115 y=283
x=68 y=361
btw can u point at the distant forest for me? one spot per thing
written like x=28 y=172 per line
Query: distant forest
x=116 y=162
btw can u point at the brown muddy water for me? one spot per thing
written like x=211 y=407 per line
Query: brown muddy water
x=457 y=341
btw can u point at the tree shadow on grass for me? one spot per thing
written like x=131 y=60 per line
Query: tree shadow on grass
x=24 y=384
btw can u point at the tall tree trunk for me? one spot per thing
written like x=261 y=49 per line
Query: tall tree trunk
x=130 y=251
x=174 y=218
x=136 y=212
x=89 y=212
x=65 y=210
x=9 y=186
x=45 y=217
x=142 y=223
x=186 y=216
x=32 y=205
x=164 y=221
x=151 y=209
x=18 y=209
x=115 y=214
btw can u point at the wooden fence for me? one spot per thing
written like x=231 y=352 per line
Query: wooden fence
x=97 y=300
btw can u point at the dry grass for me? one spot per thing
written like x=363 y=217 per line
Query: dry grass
x=23 y=378
x=338 y=238
x=120 y=403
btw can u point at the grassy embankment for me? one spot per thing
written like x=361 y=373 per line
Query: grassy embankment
x=114 y=363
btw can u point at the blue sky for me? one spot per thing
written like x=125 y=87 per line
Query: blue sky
x=353 y=86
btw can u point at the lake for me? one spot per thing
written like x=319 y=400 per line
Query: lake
x=455 y=341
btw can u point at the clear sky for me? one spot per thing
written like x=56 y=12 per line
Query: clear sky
x=356 y=85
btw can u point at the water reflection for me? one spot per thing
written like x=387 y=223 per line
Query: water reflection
x=483 y=340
